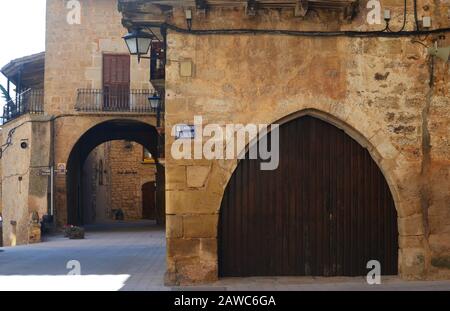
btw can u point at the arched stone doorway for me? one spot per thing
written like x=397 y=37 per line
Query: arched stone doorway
x=120 y=129
x=326 y=211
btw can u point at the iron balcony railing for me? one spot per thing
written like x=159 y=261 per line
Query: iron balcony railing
x=114 y=100
x=29 y=101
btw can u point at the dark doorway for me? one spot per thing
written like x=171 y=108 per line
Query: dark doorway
x=326 y=211
x=149 y=201
x=116 y=82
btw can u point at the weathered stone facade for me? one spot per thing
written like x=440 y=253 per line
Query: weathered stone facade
x=73 y=61
x=377 y=89
x=386 y=93
x=80 y=66
x=24 y=185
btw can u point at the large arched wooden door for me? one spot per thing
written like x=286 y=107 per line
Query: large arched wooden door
x=326 y=211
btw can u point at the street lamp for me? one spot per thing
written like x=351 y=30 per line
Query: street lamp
x=155 y=101
x=138 y=42
x=155 y=104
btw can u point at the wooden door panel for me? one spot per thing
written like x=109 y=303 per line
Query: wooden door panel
x=116 y=82
x=326 y=211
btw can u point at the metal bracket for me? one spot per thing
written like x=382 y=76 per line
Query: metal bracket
x=301 y=8
x=251 y=7
x=201 y=7
x=351 y=11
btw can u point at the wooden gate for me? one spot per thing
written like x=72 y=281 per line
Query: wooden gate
x=326 y=211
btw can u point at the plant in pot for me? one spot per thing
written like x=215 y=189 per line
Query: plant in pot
x=73 y=232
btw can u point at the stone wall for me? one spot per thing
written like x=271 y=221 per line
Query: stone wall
x=97 y=186
x=25 y=183
x=128 y=175
x=124 y=174
x=376 y=89
x=74 y=53
x=1 y=181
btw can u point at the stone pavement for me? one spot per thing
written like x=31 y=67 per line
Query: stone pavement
x=132 y=257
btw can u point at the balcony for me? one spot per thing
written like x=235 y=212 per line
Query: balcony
x=97 y=100
x=29 y=101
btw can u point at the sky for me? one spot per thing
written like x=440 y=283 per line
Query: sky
x=22 y=28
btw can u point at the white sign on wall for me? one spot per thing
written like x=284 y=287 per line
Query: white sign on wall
x=183 y=131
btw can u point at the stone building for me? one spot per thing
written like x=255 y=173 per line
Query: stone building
x=363 y=114
x=85 y=90
x=293 y=63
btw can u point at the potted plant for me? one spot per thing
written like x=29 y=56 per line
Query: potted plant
x=73 y=232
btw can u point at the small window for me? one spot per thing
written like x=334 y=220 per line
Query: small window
x=148 y=157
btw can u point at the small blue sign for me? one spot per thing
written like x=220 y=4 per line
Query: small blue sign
x=183 y=131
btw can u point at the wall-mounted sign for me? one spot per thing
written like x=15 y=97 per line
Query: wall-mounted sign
x=45 y=172
x=61 y=169
x=183 y=131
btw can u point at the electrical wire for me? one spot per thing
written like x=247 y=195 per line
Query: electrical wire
x=416 y=19
x=352 y=34
x=11 y=132
x=404 y=20
x=420 y=42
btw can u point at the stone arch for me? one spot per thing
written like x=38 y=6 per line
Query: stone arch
x=115 y=129
x=72 y=128
x=368 y=133
x=384 y=156
x=146 y=180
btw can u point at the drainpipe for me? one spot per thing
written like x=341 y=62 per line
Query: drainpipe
x=52 y=164
x=52 y=187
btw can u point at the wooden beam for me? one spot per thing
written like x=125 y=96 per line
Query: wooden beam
x=135 y=11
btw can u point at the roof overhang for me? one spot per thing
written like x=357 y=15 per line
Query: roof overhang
x=140 y=11
x=30 y=68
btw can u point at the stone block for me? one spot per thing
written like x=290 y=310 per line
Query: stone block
x=200 y=226
x=412 y=263
x=208 y=248
x=174 y=226
x=192 y=202
x=175 y=177
x=411 y=225
x=411 y=241
x=195 y=270
x=440 y=243
x=183 y=247
x=197 y=176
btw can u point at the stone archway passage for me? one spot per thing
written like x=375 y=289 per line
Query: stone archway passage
x=326 y=211
x=120 y=129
